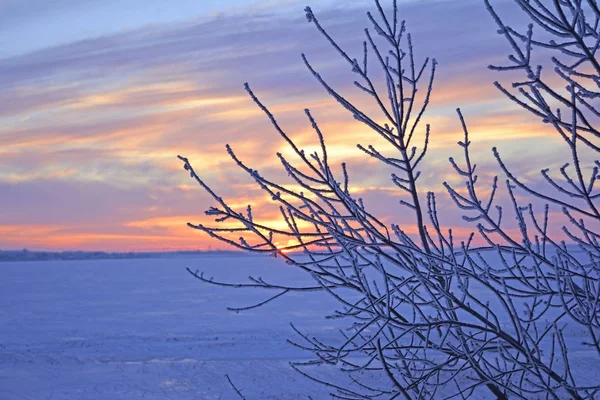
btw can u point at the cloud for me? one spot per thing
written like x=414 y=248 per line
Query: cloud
x=91 y=129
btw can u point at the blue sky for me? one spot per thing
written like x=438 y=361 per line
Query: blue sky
x=40 y=24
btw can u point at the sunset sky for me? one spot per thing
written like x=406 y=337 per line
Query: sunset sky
x=97 y=98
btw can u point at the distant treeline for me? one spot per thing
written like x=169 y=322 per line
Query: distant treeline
x=27 y=255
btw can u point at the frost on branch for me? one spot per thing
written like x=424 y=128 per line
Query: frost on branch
x=435 y=316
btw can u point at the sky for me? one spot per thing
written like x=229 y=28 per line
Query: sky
x=97 y=98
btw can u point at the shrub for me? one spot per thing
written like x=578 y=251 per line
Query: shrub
x=506 y=319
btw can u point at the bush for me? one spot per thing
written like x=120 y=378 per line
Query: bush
x=503 y=313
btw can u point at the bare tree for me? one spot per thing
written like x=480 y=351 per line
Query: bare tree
x=431 y=312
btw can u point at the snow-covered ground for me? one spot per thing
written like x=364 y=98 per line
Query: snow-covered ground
x=146 y=329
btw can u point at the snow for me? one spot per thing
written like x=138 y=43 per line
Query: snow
x=146 y=329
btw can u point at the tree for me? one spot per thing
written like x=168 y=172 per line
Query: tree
x=429 y=310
